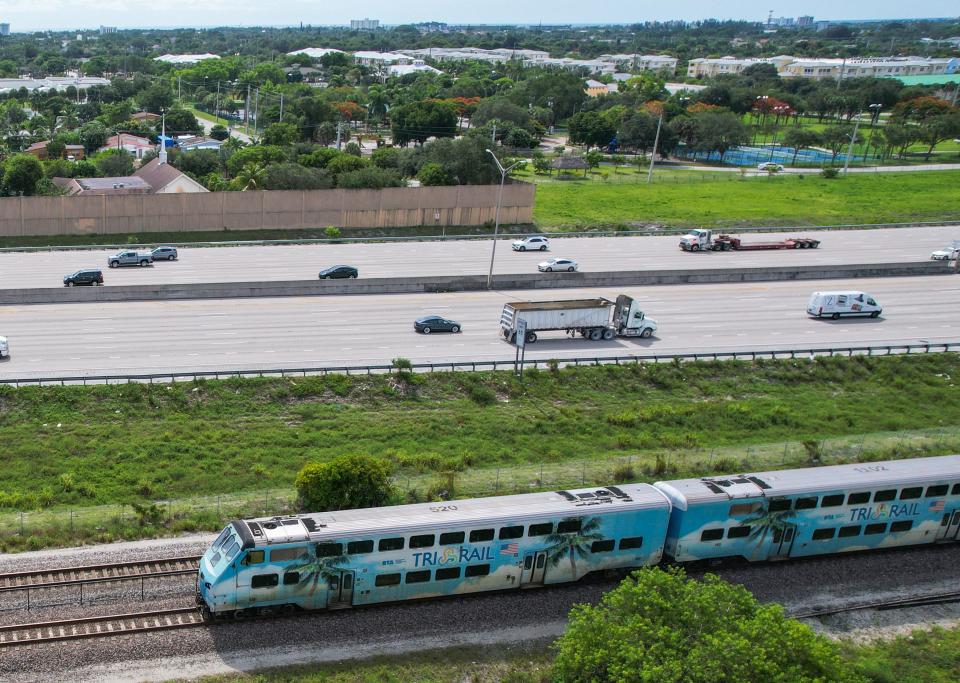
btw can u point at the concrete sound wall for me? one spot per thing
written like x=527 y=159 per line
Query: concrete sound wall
x=461 y=283
x=282 y=209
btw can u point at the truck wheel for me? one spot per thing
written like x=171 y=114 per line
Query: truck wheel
x=596 y=335
x=695 y=247
x=646 y=333
x=608 y=334
x=835 y=316
x=531 y=337
x=143 y=263
x=875 y=314
x=114 y=264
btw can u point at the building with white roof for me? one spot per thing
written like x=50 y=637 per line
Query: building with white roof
x=832 y=68
x=637 y=62
x=184 y=59
x=315 y=52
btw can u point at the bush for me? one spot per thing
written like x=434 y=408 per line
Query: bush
x=332 y=232
x=433 y=174
x=345 y=483
x=829 y=172
x=353 y=149
x=295 y=177
x=369 y=178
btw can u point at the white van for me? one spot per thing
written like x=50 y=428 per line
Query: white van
x=835 y=304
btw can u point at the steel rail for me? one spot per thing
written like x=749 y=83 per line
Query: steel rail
x=884 y=605
x=100 y=573
x=94 y=627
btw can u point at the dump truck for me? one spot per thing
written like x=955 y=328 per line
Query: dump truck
x=593 y=319
x=705 y=240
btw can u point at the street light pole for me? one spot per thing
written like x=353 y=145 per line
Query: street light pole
x=656 y=141
x=853 y=139
x=496 y=224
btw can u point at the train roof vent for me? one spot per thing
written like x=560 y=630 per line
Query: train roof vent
x=713 y=487
x=586 y=496
x=567 y=495
x=310 y=523
x=255 y=529
x=617 y=491
x=760 y=482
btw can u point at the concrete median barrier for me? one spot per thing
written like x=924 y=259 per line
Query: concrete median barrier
x=464 y=283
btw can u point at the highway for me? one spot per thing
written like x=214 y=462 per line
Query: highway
x=406 y=259
x=68 y=339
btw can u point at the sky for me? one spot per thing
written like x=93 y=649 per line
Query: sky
x=34 y=15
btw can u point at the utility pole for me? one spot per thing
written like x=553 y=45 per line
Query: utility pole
x=493 y=135
x=256 y=111
x=246 y=110
x=339 y=124
x=179 y=99
x=281 y=107
x=853 y=138
x=216 y=113
x=656 y=141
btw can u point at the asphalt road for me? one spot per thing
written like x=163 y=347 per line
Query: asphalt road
x=405 y=259
x=50 y=340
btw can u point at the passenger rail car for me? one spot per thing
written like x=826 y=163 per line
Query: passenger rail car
x=361 y=557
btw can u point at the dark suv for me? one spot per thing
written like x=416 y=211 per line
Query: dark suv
x=84 y=277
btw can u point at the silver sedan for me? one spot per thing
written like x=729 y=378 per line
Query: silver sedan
x=560 y=264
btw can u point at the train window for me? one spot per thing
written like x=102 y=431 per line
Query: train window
x=871 y=529
x=477 y=570
x=222 y=538
x=823 y=534
x=291 y=578
x=569 y=526
x=832 y=501
x=264 y=580
x=743 y=509
x=323 y=550
x=711 y=535
x=858 y=498
x=451 y=538
x=288 y=554
x=447 y=573
x=780 y=504
x=481 y=535
x=888 y=494
x=254 y=557
x=359 y=547
x=631 y=543
x=956 y=490
x=424 y=541
x=911 y=493
x=511 y=532
x=421 y=576
x=938 y=490
x=544 y=529
x=901 y=526
x=602 y=546
x=805 y=503
x=387 y=580
x=232 y=550
x=738 y=532
x=390 y=544
x=528 y=562
x=847 y=531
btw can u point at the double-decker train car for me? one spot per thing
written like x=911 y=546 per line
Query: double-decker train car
x=368 y=556
x=814 y=511
x=360 y=557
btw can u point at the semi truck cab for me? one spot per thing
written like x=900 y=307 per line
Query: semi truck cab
x=630 y=320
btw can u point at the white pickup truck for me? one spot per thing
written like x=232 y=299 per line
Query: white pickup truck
x=951 y=252
x=130 y=258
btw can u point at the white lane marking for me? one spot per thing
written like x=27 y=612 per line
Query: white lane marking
x=102 y=318
x=114 y=357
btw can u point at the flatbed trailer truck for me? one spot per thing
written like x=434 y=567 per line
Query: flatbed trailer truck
x=593 y=319
x=705 y=240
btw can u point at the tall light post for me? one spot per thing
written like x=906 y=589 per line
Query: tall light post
x=496 y=224
x=853 y=139
x=875 y=118
x=656 y=138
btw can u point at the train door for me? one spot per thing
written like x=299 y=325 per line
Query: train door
x=949 y=526
x=243 y=596
x=534 y=567
x=340 y=592
x=783 y=542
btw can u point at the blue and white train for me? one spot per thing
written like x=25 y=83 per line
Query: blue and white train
x=361 y=557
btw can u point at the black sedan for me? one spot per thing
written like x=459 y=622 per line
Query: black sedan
x=434 y=323
x=338 y=272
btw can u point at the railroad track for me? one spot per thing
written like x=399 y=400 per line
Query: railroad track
x=883 y=605
x=118 y=571
x=96 y=627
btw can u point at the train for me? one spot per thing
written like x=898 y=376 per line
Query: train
x=349 y=558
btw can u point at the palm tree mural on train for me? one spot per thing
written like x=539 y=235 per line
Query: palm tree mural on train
x=573 y=544
x=767 y=523
x=314 y=570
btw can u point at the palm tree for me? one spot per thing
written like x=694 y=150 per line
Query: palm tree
x=766 y=523
x=573 y=544
x=317 y=569
x=251 y=176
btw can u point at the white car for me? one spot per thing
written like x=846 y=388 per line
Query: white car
x=948 y=253
x=552 y=264
x=769 y=167
x=4 y=347
x=535 y=243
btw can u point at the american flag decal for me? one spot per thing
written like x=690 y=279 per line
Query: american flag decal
x=937 y=506
x=509 y=549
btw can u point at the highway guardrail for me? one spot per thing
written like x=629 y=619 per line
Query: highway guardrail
x=503 y=364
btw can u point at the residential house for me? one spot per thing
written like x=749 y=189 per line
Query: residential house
x=136 y=145
x=417 y=66
x=188 y=143
x=165 y=179
x=315 y=52
x=145 y=117
x=71 y=152
x=596 y=88
x=122 y=185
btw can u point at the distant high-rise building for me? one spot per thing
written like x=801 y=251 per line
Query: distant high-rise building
x=4 y=29
x=364 y=24
x=108 y=29
x=805 y=21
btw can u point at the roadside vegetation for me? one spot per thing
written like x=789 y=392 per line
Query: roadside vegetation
x=447 y=434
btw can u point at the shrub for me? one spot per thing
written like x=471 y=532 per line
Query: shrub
x=345 y=483
x=829 y=172
x=432 y=174
x=332 y=231
x=368 y=178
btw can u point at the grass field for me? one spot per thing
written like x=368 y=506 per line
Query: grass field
x=77 y=446
x=922 y=657
x=730 y=201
